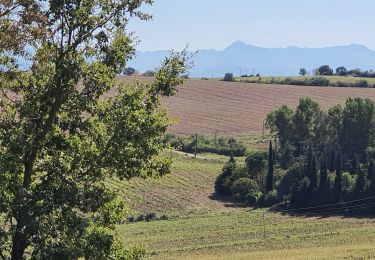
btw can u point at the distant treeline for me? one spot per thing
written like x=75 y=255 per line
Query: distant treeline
x=201 y=144
x=325 y=70
x=310 y=81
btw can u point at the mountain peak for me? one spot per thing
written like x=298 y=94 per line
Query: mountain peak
x=238 y=45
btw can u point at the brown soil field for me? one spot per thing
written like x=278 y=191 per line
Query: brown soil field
x=235 y=108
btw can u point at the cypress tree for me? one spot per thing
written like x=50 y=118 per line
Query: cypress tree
x=371 y=170
x=269 y=181
x=313 y=173
x=338 y=179
x=332 y=160
x=360 y=183
x=323 y=185
x=309 y=156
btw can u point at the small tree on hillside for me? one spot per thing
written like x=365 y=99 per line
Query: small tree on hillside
x=228 y=77
x=220 y=184
x=341 y=71
x=129 y=71
x=324 y=70
x=269 y=181
x=302 y=72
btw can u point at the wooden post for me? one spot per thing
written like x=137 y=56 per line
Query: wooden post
x=196 y=145
x=263 y=131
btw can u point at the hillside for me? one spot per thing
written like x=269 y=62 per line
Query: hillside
x=186 y=190
x=233 y=108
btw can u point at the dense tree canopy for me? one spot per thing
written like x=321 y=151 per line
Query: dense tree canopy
x=60 y=138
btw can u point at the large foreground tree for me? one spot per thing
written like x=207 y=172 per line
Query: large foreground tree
x=61 y=135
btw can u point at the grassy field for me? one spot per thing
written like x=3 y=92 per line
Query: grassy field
x=245 y=234
x=187 y=190
x=200 y=227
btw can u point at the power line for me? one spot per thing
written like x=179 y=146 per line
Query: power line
x=332 y=204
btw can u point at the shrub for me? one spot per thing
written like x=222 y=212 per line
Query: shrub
x=222 y=146
x=317 y=81
x=129 y=71
x=223 y=182
x=348 y=182
x=150 y=216
x=130 y=219
x=362 y=83
x=291 y=180
x=268 y=199
x=149 y=73
x=163 y=217
x=228 y=77
x=244 y=190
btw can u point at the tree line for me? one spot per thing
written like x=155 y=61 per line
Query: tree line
x=321 y=158
x=326 y=70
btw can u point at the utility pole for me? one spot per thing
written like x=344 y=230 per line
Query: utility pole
x=240 y=71
x=263 y=131
x=196 y=145
x=264 y=225
x=254 y=72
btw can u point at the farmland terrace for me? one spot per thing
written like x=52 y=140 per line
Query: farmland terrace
x=233 y=108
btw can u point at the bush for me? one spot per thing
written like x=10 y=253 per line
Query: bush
x=362 y=84
x=141 y=218
x=228 y=77
x=130 y=219
x=150 y=216
x=245 y=190
x=223 y=181
x=149 y=73
x=317 y=81
x=269 y=199
x=163 y=217
x=222 y=146
x=291 y=180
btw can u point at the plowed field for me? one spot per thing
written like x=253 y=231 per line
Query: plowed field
x=232 y=108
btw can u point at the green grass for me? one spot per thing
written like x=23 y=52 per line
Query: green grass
x=332 y=79
x=245 y=234
x=186 y=190
x=202 y=228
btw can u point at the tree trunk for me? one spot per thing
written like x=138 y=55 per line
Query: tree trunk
x=19 y=245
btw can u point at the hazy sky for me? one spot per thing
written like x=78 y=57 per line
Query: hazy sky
x=265 y=23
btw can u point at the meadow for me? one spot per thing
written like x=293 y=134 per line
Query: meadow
x=247 y=234
x=200 y=227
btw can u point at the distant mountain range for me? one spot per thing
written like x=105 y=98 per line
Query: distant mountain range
x=242 y=58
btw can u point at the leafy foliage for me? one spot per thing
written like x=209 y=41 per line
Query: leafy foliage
x=60 y=137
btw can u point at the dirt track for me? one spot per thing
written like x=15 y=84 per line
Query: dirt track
x=209 y=106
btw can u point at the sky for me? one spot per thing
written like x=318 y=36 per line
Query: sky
x=215 y=24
